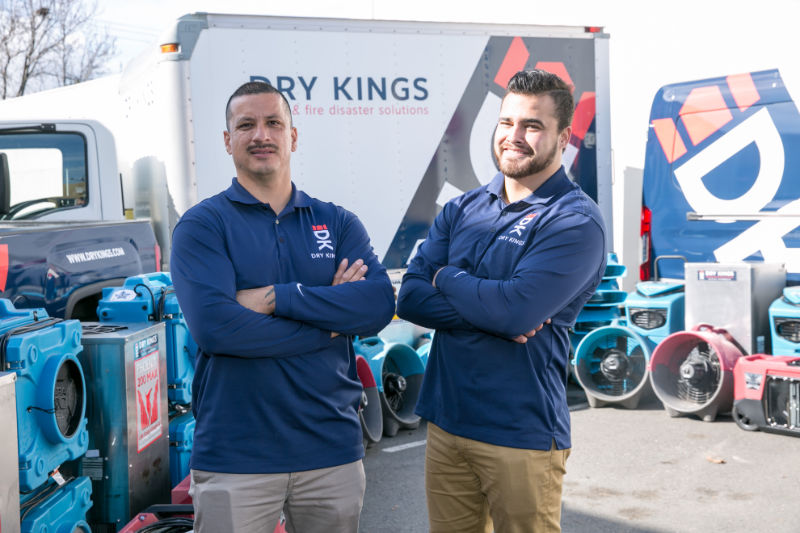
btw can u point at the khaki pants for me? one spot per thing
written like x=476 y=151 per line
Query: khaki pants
x=327 y=500
x=473 y=486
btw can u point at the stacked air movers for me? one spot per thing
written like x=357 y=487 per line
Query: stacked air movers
x=398 y=372
x=126 y=361
x=784 y=322
x=50 y=397
x=150 y=298
x=611 y=362
x=726 y=316
x=603 y=307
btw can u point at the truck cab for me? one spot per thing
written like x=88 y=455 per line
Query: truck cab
x=63 y=233
x=46 y=167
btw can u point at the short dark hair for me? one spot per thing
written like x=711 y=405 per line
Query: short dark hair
x=538 y=81
x=254 y=87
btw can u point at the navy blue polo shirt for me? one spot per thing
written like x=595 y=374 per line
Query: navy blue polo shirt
x=275 y=393
x=506 y=269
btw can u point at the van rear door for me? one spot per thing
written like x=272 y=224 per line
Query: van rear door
x=720 y=178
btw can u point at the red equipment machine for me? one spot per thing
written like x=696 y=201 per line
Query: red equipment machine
x=767 y=393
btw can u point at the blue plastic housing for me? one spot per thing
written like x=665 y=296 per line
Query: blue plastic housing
x=784 y=322
x=50 y=390
x=181 y=438
x=151 y=298
x=63 y=511
x=424 y=351
x=604 y=305
x=398 y=357
x=651 y=302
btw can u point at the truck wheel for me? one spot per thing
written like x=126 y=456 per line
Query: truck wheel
x=86 y=309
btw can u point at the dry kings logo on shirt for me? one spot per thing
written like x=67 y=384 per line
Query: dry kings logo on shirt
x=517 y=230
x=324 y=242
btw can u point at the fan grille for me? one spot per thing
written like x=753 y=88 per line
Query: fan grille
x=700 y=375
x=394 y=385
x=617 y=365
x=648 y=318
x=788 y=328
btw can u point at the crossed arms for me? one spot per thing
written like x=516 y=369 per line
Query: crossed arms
x=262 y=299
x=551 y=273
x=302 y=318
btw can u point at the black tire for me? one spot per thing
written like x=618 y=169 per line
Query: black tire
x=742 y=420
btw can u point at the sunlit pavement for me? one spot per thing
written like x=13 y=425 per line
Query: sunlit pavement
x=630 y=471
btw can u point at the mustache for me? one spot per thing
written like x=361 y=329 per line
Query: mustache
x=261 y=146
x=511 y=146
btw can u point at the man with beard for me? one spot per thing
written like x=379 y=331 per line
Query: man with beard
x=273 y=283
x=502 y=275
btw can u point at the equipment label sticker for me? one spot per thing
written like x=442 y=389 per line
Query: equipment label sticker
x=148 y=393
x=123 y=295
x=716 y=275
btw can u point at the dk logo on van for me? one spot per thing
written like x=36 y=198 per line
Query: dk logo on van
x=731 y=150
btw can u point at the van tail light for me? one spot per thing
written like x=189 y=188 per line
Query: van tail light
x=644 y=233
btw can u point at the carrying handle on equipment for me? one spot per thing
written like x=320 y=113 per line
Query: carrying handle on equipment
x=722 y=332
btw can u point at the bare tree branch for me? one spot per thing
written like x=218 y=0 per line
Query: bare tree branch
x=47 y=43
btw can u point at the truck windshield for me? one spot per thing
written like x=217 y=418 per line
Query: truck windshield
x=41 y=172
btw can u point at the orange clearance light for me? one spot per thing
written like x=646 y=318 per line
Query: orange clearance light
x=170 y=48
x=593 y=29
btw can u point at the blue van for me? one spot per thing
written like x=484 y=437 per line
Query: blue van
x=722 y=175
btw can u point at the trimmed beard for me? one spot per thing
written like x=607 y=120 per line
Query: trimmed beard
x=526 y=167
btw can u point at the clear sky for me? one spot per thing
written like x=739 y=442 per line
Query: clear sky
x=651 y=43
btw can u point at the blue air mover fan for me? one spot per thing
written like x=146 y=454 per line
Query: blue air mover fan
x=181 y=438
x=655 y=309
x=611 y=366
x=614 y=270
x=400 y=331
x=58 y=509
x=50 y=390
x=400 y=370
x=151 y=298
x=784 y=322
x=611 y=361
x=604 y=305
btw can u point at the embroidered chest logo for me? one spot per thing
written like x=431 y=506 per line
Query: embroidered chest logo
x=323 y=236
x=517 y=230
x=520 y=226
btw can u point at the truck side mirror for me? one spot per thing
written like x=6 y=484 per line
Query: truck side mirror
x=5 y=185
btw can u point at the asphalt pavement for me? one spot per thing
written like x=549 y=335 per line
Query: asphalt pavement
x=636 y=471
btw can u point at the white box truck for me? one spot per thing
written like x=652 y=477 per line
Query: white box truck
x=394 y=118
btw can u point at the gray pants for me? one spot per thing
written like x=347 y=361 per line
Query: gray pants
x=327 y=500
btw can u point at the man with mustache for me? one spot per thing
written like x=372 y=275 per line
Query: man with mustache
x=501 y=276
x=273 y=283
